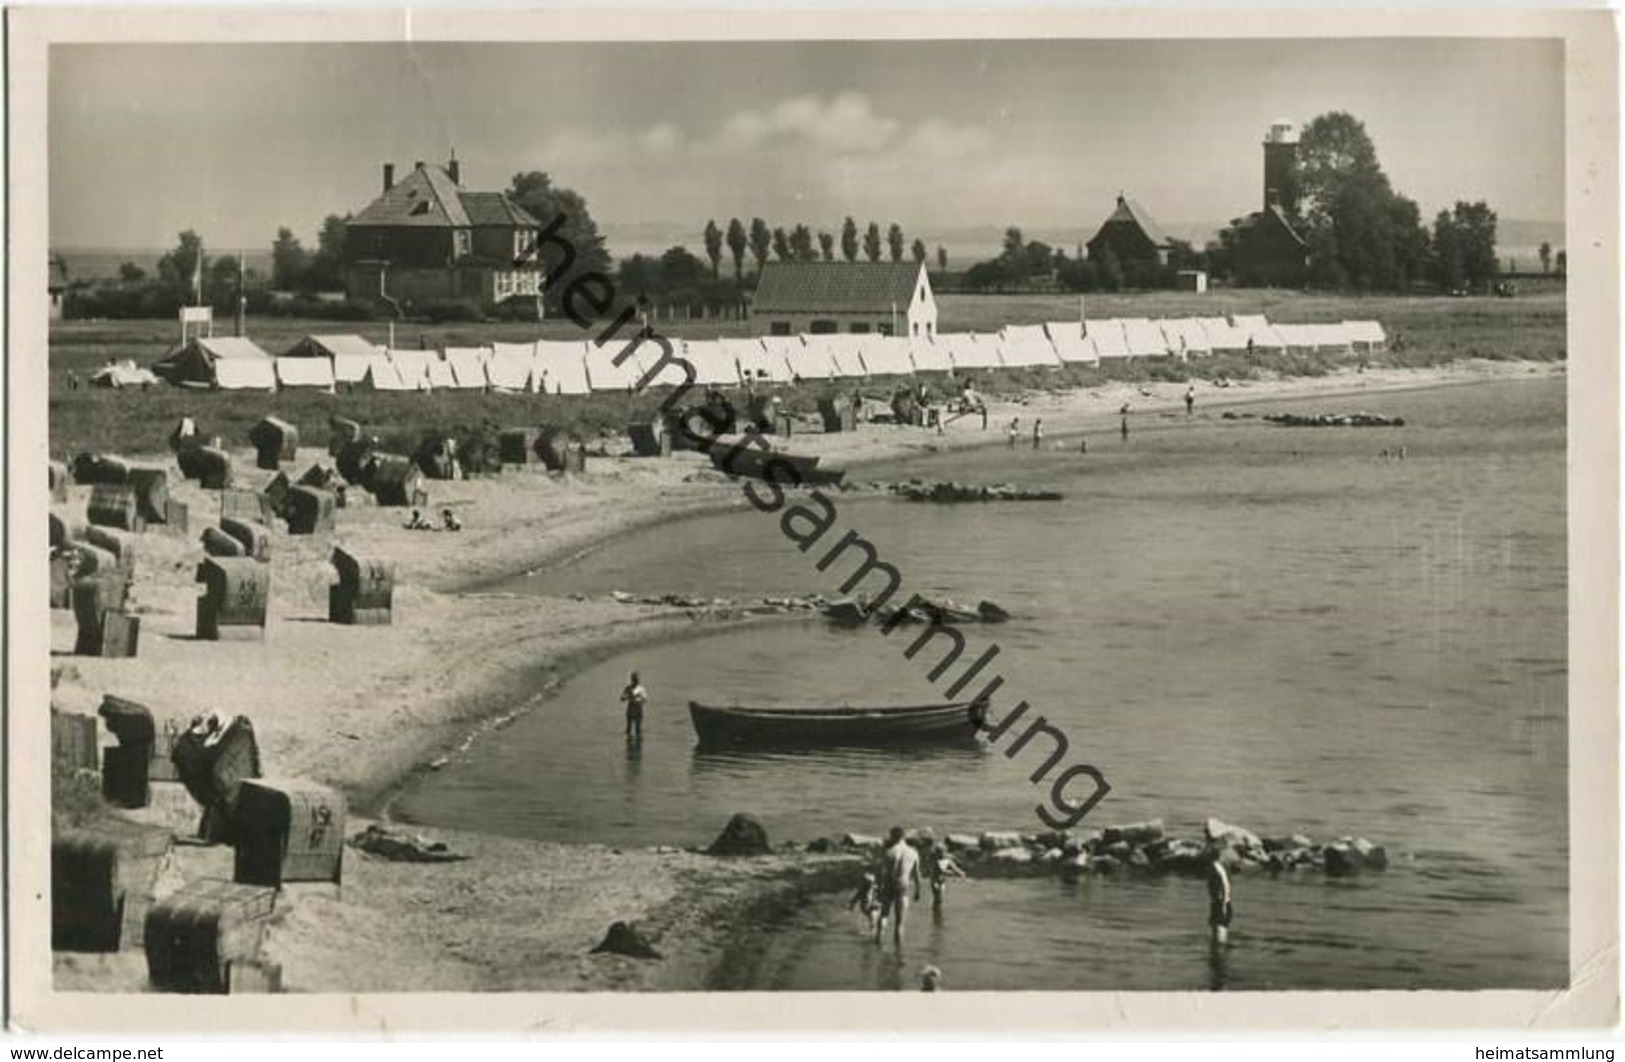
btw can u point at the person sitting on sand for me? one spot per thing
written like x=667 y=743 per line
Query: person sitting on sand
x=418 y=523
x=939 y=867
x=449 y=520
x=867 y=898
x=636 y=698
x=899 y=872
x=930 y=979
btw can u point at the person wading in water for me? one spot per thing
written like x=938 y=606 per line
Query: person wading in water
x=636 y=698
x=899 y=872
x=1219 y=910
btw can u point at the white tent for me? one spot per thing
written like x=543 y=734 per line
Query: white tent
x=350 y=368
x=604 y=375
x=1144 y=338
x=1071 y=345
x=382 y=375
x=778 y=358
x=412 y=366
x=887 y=356
x=754 y=362
x=560 y=366
x=1270 y=337
x=467 y=367
x=1330 y=337
x=929 y=355
x=508 y=366
x=841 y=352
x=332 y=346
x=305 y=372
x=814 y=359
x=1184 y=336
x=712 y=364
x=1367 y=334
x=971 y=351
x=1024 y=345
x=245 y=375
x=1110 y=340
x=1296 y=336
x=1249 y=323
x=1222 y=335
x=439 y=371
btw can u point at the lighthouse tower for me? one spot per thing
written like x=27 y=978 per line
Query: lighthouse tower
x=1280 y=154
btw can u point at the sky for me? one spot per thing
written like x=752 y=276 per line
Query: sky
x=237 y=140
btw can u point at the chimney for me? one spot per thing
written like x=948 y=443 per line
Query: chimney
x=455 y=170
x=389 y=176
x=418 y=165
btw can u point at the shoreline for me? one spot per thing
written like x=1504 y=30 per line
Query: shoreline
x=366 y=709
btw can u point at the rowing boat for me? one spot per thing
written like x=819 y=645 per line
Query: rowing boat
x=930 y=724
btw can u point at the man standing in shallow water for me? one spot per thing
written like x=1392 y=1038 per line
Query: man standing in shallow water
x=899 y=871
x=636 y=698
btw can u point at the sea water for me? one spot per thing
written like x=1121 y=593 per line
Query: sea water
x=1279 y=627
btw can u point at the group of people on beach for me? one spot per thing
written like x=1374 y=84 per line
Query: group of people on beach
x=886 y=889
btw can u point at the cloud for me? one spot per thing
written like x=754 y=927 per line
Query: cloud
x=819 y=158
x=847 y=123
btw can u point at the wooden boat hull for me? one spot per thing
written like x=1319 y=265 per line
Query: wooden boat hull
x=753 y=462
x=934 y=724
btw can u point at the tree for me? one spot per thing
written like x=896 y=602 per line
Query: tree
x=826 y=246
x=738 y=244
x=1013 y=244
x=1360 y=232
x=801 y=244
x=326 y=271
x=639 y=276
x=871 y=242
x=682 y=271
x=781 y=244
x=1464 y=247
x=918 y=251
x=289 y=262
x=849 y=240
x=543 y=200
x=1545 y=257
x=942 y=260
x=130 y=273
x=895 y=242
x=713 y=247
x=761 y=241
x=176 y=267
x=1037 y=259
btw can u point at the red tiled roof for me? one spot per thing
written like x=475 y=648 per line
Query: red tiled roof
x=424 y=198
x=495 y=208
x=836 y=287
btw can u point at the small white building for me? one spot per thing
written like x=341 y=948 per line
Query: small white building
x=820 y=298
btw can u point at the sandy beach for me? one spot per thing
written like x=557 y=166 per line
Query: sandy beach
x=362 y=708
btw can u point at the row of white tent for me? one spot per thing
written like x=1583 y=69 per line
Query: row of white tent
x=579 y=367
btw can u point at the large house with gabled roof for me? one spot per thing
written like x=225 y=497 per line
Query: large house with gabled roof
x=426 y=238
x=816 y=298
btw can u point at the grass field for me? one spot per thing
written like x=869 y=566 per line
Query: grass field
x=1423 y=331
